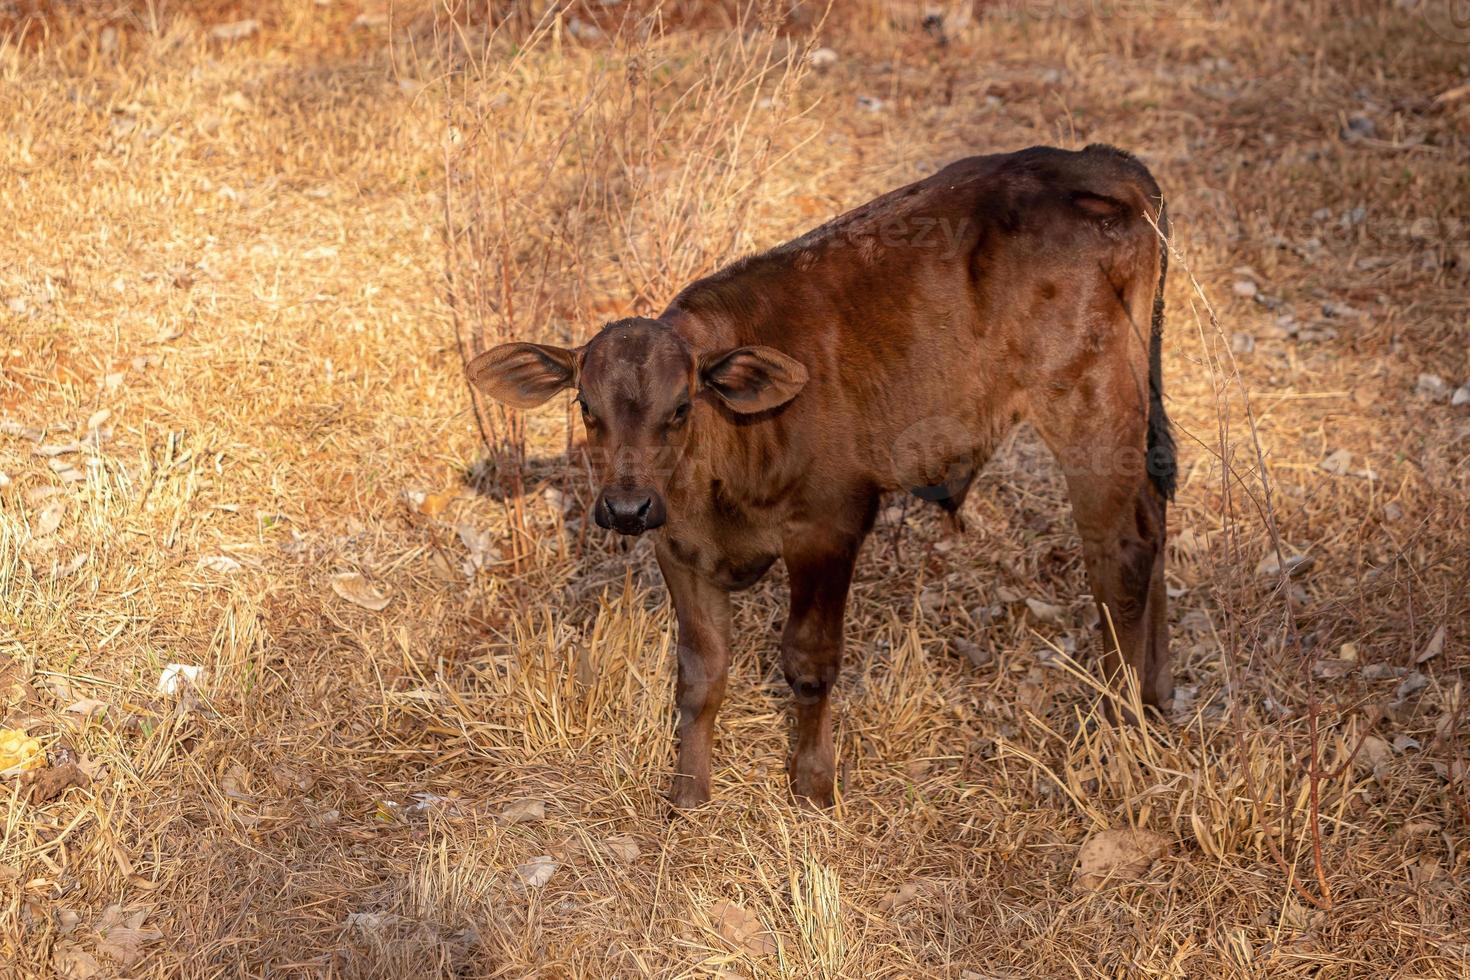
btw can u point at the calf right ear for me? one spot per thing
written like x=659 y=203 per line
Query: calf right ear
x=523 y=375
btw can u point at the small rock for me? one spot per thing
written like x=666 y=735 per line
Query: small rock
x=1432 y=388
x=583 y=30
x=1338 y=463
x=1245 y=288
x=870 y=103
x=1411 y=685
x=1461 y=395
x=1242 y=343
x=235 y=30
x=1392 y=512
x=822 y=58
x=1358 y=127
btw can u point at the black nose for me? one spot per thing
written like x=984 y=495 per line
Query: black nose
x=626 y=511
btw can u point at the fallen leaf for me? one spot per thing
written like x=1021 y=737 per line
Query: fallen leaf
x=73 y=962
x=358 y=590
x=234 y=781
x=97 y=418
x=62 y=569
x=535 y=872
x=1118 y=855
x=1031 y=692
x=739 y=927
x=1375 y=755
x=1452 y=94
x=586 y=666
x=19 y=752
x=48 y=519
x=1382 y=672
x=977 y=655
x=431 y=504
x=1405 y=743
x=235 y=30
x=372 y=922
x=86 y=707
x=1332 y=669
x=523 y=811
x=622 y=848
x=478 y=542
x=1433 y=648
x=1417 y=828
x=122 y=937
x=177 y=678
x=67 y=921
x=1272 y=565
x=222 y=564
x=1046 y=612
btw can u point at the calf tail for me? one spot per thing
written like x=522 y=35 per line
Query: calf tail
x=1162 y=465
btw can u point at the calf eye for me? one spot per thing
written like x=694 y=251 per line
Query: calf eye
x=680 y=414
x=587 y=415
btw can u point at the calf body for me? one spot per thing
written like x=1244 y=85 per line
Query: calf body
x=765 y=412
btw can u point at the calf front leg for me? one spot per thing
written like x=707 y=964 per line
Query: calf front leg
x=820 y=566
x=703 y=612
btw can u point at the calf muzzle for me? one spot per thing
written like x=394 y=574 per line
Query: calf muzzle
x=629 y=511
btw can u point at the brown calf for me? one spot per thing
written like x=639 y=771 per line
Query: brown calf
x=917 y=330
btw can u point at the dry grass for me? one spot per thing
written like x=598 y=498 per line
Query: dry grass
x=239 y=250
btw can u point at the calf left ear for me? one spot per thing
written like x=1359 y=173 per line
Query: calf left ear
x=752 y=379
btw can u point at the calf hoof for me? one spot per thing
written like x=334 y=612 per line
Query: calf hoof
x=812 y=784
x=686 y=793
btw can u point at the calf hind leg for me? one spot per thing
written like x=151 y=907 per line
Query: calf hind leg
x=1120 y=515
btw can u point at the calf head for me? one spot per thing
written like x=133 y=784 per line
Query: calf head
x=637 y=384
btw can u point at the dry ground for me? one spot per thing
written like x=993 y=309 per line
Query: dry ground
x=237 y=250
